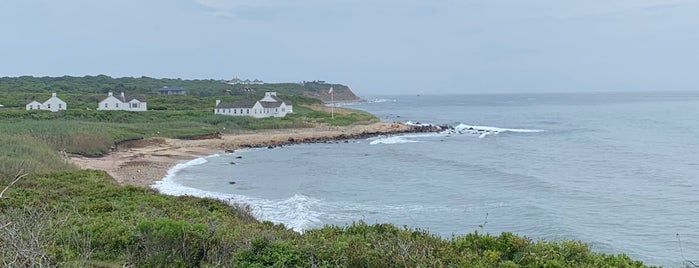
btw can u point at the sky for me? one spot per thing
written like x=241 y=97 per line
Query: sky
x=375 y=47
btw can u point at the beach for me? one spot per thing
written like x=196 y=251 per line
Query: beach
x=145 y=161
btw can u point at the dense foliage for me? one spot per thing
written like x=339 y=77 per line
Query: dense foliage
x=82 y=218
x=85 y=92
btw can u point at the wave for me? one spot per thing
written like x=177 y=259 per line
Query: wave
x=298 y=212
x=391 y=140
x=483 y=131
x=381 y=100
x=480 y=131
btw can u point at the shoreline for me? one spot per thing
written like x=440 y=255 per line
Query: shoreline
x=144 y=162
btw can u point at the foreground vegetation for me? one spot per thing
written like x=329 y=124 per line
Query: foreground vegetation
x=82 y=218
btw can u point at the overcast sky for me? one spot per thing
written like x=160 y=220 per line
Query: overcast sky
x=392 y=46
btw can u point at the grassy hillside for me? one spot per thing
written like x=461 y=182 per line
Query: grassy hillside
x=81 y=218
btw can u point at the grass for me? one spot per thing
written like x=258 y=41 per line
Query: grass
x=82 y=218
x=41 y=138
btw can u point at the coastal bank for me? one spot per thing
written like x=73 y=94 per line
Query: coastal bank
x=143 y=162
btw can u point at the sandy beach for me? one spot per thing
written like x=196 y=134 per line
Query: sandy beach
x=143 y=162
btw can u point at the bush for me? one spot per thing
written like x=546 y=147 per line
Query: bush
x=165 y=242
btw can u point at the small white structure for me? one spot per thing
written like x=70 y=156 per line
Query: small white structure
x=53 y=104
x=122 y=103
x=236 y=81
x=269 y=106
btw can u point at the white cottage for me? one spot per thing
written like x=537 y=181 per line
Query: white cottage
x=122 y=103
x=269 y=106
x=53 y=104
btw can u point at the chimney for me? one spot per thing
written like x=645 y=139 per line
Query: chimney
x=109 y=94
x=218 y=102
x=122 y=94
x=53 y=94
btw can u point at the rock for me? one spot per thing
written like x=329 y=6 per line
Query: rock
x=270 y=147
x=231 y=182
x=239 y=157
x=232 y=163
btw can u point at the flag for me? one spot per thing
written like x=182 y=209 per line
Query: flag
x=330 y=91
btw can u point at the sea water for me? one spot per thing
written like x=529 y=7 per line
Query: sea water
x=617 y=170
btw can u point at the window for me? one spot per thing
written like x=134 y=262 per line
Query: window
x=60 y=106
x=134 y=105
x=248 y=110
x=235 y=111
x=49 y=106
x=106 y=105
x=117 y=105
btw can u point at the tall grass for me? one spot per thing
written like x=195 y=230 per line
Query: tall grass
x=27 y=153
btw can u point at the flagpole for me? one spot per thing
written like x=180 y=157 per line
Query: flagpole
x=332 y=103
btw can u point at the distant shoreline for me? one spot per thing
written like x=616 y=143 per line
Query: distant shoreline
x=144 y=162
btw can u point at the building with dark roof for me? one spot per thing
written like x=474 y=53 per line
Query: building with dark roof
x=269 y=106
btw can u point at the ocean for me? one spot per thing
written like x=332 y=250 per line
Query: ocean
x=617 y=170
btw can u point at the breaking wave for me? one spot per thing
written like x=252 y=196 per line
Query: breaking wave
x=298 y=212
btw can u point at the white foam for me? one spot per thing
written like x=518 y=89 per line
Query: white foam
x=463 y=127
x=298 y=212
x=484 y=131
x=391 y=140
x=381 y=100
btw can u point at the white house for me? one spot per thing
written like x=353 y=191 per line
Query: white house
x=269 y=106
x=53 y=104
x=123 y=103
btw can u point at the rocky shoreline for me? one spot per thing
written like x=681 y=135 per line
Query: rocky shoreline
x=345 y=138
x=145 y=161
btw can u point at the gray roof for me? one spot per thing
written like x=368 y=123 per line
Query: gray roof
x=269 y=104
x=278 y=100
x=127 y=98
x=236 y=105
x=130 y=98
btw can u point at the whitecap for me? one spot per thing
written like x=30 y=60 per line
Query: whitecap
x=391 y=140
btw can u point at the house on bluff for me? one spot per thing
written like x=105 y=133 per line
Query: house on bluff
x=53 y=104
x=269 y=106
x=123 y=103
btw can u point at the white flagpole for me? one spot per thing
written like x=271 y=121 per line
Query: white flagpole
x=332 y=103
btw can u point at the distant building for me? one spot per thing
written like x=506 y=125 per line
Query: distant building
x=269 y=106
x=53 y=104
x=171 y=91
x=123 y=103
x=238 y=81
